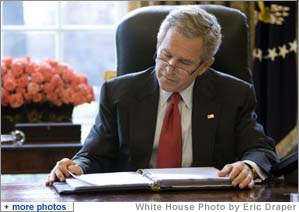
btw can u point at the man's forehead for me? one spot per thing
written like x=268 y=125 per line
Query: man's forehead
x=174 y=39
x=184 y=55
x=181 y=57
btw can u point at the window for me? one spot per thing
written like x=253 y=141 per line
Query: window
x=79 y=33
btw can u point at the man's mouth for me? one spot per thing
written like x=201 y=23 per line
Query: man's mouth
x=169 y=79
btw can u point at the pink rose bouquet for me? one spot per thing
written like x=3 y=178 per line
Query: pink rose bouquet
x=24 y=81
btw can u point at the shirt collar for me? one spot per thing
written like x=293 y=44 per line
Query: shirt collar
x=186 y=95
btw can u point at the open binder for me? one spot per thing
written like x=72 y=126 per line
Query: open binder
x=145 y=179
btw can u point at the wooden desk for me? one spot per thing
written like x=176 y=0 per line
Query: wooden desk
x=35 y=158
x=275 y=191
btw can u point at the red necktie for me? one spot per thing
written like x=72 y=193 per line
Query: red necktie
x=170 y=144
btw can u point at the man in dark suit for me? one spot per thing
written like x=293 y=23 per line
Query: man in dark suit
x=180 y=113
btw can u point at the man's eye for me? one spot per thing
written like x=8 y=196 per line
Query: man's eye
x=167 y=55
x=186 y=63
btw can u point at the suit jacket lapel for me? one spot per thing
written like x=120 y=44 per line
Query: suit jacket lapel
x=205 y=113
x=143 y=115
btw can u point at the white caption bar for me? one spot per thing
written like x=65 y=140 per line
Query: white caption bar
x=187 y=206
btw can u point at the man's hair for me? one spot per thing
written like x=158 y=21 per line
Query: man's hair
x=193 y=22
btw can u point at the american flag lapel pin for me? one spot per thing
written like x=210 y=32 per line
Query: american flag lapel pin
x=210 y=116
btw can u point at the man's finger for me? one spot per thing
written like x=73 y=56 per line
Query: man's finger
x=51 y=178
x=62 y=166
x=59 y=175
x=235 y=171
x=225 y=171
x=251 y=184
x=240 y=177
x=48 y=180
x=245 y=182
x=75 y=169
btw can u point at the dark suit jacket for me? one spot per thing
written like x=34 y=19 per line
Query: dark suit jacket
x=123 y=134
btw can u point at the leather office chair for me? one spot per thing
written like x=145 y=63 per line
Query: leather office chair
x=136 y=40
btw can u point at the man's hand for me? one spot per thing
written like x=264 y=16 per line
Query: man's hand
x=60 y=171
x=239 y=173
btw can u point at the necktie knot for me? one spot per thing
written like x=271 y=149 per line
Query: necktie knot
x=175 y=98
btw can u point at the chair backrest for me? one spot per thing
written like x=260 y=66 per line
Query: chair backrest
x=136 y=39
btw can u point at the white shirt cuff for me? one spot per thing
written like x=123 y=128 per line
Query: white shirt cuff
x=261 y=174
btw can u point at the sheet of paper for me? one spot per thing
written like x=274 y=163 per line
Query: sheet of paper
x=114 y=179
x=184 y=173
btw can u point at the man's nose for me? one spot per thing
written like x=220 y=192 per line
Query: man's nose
x=171 y=65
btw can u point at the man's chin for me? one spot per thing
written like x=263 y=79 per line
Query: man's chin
x=168 y=88
x=167 y=85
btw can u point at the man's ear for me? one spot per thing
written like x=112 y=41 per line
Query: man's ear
x=204 y=67
x=208 y=63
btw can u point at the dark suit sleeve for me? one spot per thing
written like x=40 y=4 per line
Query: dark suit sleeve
x=100 y=150
x=253 y=144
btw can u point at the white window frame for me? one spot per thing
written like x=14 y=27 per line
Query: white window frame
x=59 y=28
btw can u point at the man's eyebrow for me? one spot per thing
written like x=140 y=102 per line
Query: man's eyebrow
x=182 y=59
x=165 y=51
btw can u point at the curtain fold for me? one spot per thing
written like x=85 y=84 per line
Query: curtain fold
x=275 y=73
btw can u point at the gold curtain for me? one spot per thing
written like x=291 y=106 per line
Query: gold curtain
x=245 y=7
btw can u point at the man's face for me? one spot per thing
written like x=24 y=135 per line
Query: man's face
x=183 y=58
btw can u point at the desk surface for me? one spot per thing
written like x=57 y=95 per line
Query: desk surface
x=275 y=191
